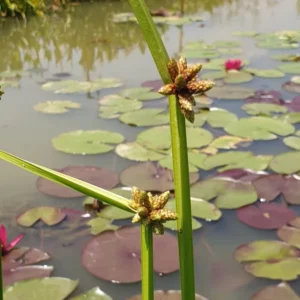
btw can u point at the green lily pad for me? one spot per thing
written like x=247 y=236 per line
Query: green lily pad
x=231 y=51
x=214 y=75
x=264 y=250
x=137 y=152
x=197 y=159
x=225 y=158
x=292 y=142
x=9 y=83
x=196 y=45
x=86 y=141
x=122 y=191
x=201 y=54
x=226 y=44
x=259 y=128
x=268 y=73
x=286 y=269
x=145 y=117
x=99 y=224
x=219 y=118
x=282 y=291
x=286 y=163
x=114 y=213
x=230 y=92
x=75 y=86
x=235 y=77
x=114 y=105
x=295 y=79
x=13 y=74
x=218 y=64
x=173 y=224
x=93 y=294
x=244 y=33
x=276 y=44
x=159 y=138
x=167 y=162
x=293 y=117
x=228 y=142
x=290 y=67
x=255 y=163
x=286 y=57
x=56 y=107
x=140 y=93
x=48 y=288
x=205 y=210
x=258 y=108
x=48 y=214
x=290 y=235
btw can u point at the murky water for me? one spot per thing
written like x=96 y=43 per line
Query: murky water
x=85 y=42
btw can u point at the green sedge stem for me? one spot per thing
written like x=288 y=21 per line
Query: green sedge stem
x=74 y=183
x=179 y=151
x=147 y=262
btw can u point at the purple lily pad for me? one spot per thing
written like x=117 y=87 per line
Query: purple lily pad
x=240 y=174
x=294 y=105
x=265 y=215
x=150 y=177
x=266 y=97
x=48 y=214
x=291 y=189
x=155 y=84
x=282 y=291
x=115 y=255
x=100 y=177
x=166 y=295
x=268 y=187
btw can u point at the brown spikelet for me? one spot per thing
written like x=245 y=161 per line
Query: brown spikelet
x=182 y=65
x=180 y=83
x=167 y=89
x=191 y=72
x=200 y=87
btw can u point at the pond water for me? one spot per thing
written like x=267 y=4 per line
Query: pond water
x=85 y=42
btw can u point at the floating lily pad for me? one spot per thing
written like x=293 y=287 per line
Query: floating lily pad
x=255 y=163
x=222 y=159
x=172 y=225
x=75 y=86
x=140 y=93
x=290 y=67
x=48 y=214
x=259 y=128
x=197 y=159
x=263 y=108
x=160 y=137
x=168 y=295
x=286 y=269
x=205 y=210
x=286 y=163
x=46 y=288
x=167 y=162
x=208 y=189
x=266 y=97
x=13 y=74
x=291 y=87
x=291 y=189
x=9 y=83
x=93 y=294
x=86 y=141
x=286 y=57
x=230 y=92
x=100 y=177
x=292 y=142
x=218 y=64
x=201 y=54
x=115 y=255
x=137 y=152
x=236 y=77
x=226 y=44
x=214 y=75
x=56 y=107
x=145 y=117
x=229 y=142
x=265 y=215
x=282 y=291
x=294 y=106
x=290 y=235
x=244 y=33
x=276 y=44
x=264 y=250
x=150 y=177
x=99 y=224
x=154 y=84
x=231 y=51
x=268 y=73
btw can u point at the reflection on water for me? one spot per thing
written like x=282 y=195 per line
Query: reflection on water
x=85 y=42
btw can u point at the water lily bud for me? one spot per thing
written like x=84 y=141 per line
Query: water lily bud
x=142 y=212
x=180 y=82
x=167 y=89
x=182 y=65
x=173 y=69
x=191 y=72
x=158 y=228
x=200 y=87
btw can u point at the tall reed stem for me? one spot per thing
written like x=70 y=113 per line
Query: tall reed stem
x=147 y=262
x=179 y=151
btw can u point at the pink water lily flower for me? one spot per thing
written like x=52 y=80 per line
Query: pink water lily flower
x=233 y=64
x=3 y=240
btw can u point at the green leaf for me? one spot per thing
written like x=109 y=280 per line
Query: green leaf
x=231 y=51
x=259 y=128
x=214 y=75
x=134 y=93
x=218 y=64
x=286 y=163
x=86 y=141
x=56 y=107
x=167 y=162
x=286 y=57
x=145 y=117
x=263 y=108
x=114 y=213
x=197 y=159
x=74 y=183
x=225 y=158
x=268 y=73
x=99 y=224
x=292 y=142
x=290 y=68
x=137 y=152
x=293 y=117
x=205 y=210
x=276 y=44
x=235 y=77
x=228 y=142
x=93 y=294
x=48 y=288
x=201 y=54
x=173 y=224
x=290 y=235
x=264 y=250
x=75 y=86
x=230 y=92
x=226 y=44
